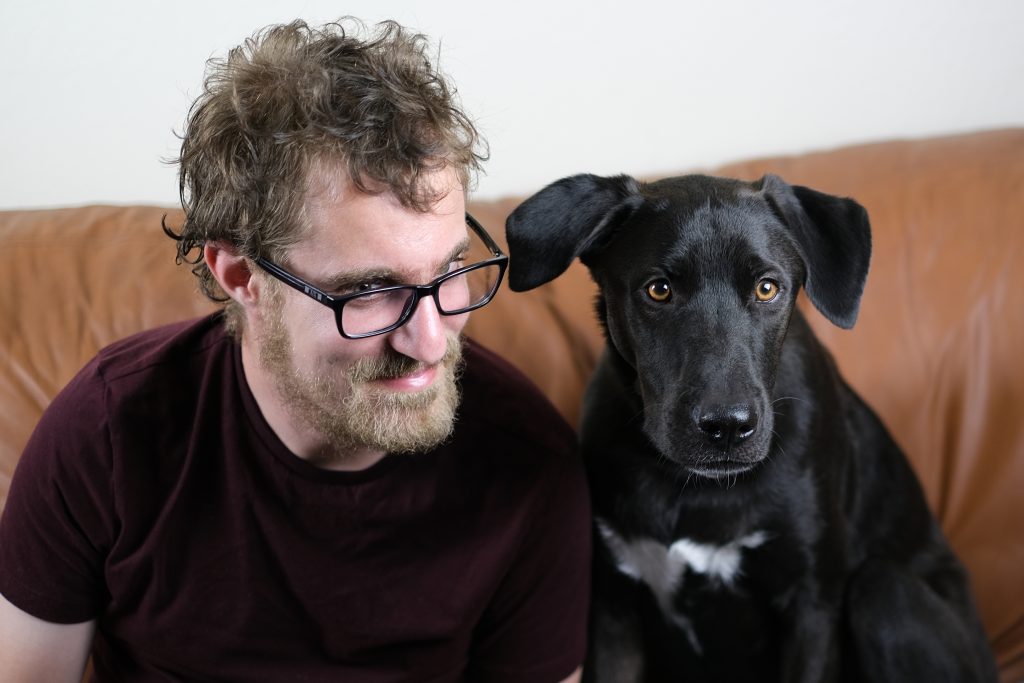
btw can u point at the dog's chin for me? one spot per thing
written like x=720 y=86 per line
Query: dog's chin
x=695 y=458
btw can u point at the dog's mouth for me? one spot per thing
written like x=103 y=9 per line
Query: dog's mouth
x=720 y=469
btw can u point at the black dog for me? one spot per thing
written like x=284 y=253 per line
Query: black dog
x=754 y=519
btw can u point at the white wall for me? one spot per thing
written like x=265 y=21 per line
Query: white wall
x=93 y=91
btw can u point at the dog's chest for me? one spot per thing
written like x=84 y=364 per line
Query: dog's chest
x=667 y=569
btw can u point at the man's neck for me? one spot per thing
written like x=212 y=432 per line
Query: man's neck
x=298 y=437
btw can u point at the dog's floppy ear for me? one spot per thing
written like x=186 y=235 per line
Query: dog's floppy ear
x=571 y=217
x=834 y=238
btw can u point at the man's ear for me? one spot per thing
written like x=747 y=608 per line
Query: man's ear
x=231 y=270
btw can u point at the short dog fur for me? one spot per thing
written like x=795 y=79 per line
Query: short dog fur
x=754 y=521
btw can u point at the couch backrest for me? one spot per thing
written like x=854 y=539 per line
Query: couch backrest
x=937 y=349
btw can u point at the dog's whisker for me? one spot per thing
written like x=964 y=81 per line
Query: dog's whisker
x=778 y=444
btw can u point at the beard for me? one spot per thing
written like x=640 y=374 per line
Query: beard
x=347 y=409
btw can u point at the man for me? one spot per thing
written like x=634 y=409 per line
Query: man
x=292 y=488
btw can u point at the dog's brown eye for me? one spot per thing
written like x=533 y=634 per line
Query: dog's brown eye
x=659 y=290
x=766 y=290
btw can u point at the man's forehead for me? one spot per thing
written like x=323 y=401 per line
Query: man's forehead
x=328 y=181
x=335 y=209
x=350 y=234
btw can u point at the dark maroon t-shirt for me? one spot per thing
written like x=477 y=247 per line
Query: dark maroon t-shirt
x=154 y=497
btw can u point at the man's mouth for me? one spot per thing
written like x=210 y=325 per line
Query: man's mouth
x=419 y=379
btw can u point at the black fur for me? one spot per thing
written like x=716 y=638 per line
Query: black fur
x=720 y=419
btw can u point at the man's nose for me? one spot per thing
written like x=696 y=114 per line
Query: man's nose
x=424 y=335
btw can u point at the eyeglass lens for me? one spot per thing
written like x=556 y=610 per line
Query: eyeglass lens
x=376 y=311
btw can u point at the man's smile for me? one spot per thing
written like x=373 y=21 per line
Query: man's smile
x=419 y=379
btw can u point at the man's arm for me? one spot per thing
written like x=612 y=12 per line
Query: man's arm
x=575 y=677
x=37 y=650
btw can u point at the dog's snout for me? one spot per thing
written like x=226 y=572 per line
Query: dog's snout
x=726 y=426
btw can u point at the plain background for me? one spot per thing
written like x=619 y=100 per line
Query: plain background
x=94 y=92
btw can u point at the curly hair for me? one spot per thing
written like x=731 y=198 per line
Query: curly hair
x=293 y=96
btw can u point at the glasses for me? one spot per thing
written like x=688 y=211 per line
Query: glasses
x=378 y=310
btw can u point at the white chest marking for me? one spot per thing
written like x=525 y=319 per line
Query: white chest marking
x=662 y=567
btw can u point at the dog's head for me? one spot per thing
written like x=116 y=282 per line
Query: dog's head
x=698 y=277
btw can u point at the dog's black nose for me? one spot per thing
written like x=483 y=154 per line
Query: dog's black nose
x=727 y=426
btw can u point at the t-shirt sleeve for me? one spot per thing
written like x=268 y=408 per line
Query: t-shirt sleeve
x=57 y=524
x=535 y=628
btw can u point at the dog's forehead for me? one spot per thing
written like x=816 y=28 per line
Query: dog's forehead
x=701 y=211
x=694 y=198
x=693 y=191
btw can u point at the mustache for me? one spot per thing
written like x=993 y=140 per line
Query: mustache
x=393 y=364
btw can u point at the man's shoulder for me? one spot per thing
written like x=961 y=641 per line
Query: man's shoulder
x=160 y=346
x=135 y=370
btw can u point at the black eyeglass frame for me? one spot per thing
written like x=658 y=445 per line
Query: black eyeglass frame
x=337 y=303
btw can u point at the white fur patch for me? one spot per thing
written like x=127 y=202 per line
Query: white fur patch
x=662 y=567
x=720 y=563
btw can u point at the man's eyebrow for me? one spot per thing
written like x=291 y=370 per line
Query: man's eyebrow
x=350 y=280
x=455 y=254
x=386 y=276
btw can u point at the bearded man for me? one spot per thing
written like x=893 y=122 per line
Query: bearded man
x=323 y=481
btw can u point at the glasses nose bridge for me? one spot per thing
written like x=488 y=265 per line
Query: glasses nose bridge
x=420 y=292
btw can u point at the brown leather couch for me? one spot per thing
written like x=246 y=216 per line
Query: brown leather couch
x=938 y=349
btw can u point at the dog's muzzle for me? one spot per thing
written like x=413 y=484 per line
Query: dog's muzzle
x=713 y=441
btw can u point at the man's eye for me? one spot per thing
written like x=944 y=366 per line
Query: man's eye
x=367 y=286
x=377 y=294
